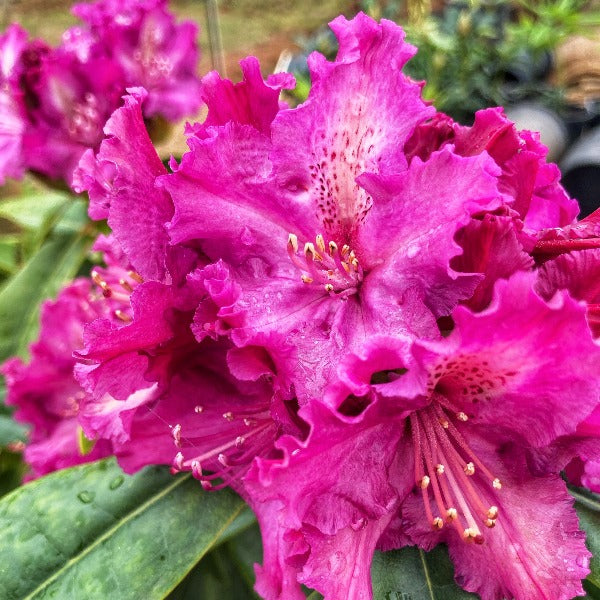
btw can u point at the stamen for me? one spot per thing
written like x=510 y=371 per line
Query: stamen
x=123 y=316
x=196 y=469
x=306 y=279
x=198 y=409
x=310 y=252
x=440 y=467
x=228 y=416
x=176 y=432
x=135 y=276
x=293 y=242
x=320 y=242
x=178 y=461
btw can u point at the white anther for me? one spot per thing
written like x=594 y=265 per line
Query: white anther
x=328 y=287
x=320 y=242
x=437 y=523
x=306 y=279
x=469 y=469
x=309 y=250
x=228 y=416
x=176 y=431
x=492 y=512
x=424 y=483
x=178 y=461
x=439 y=469
x=496 y=484
x=461 y=416
x=293 y=242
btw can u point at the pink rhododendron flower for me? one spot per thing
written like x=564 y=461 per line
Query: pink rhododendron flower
x=56 y=100
x=159 y=394
x=304 y=257
x=44 y=391
x=421 y=442
x=324 y=227
x=142 y=41
x=12 y=125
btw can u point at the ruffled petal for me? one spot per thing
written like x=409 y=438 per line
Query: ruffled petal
x=359 y=113
x=124 y=172
x=524 y=364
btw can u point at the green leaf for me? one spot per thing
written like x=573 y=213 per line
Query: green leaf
x=11 y=431
x=56 y=263
x=31 y=209
x=92 y=533
x=413 y=574
x=588 y=510
x=226 y=573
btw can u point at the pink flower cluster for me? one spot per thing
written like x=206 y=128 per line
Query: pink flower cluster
x=375 y=324
x=55 y=101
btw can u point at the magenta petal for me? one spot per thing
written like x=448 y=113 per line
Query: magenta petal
x=359 y=113
x=253 y=101
x=339 y=565
x=409 y=245
x=536 y=553
x=277 y=579
x=532 y=361
x=490 y=246
x=128 y=157
x=579 y=273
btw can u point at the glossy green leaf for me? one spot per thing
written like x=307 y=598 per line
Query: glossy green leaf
x=90 y=533
x=226 y=573
x=56 y=263
x=413 y=574
x=588 y=510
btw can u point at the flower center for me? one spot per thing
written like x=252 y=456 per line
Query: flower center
x=85 y=121
x=447 y=467
x=117 y=285
x=337 y=270
x=225 y=446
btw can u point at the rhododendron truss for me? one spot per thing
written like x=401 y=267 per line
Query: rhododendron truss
x=376 y=325
x=57 y=100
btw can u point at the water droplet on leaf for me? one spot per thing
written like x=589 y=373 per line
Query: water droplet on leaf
x=86 y=497
x=116 y=482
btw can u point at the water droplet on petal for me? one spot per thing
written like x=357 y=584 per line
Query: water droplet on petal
x=337 y=563
x=412 y=251
x=583 y=562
